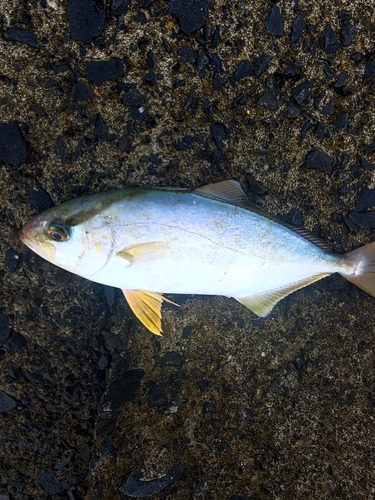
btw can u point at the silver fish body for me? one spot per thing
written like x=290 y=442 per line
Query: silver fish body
x=209 y=241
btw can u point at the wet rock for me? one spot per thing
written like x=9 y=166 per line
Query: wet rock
x=217 y=82
x=215 y=62
x=119 y=7
x=102 y=71
x=187 y=54
x=86 y=19
x=365 y=200
x=347 y=34
x=340 y=84
x=149 y=77
x=4 y=327
x=184 y=143
x=15 y=342
x=269 y=99
x=136 y=488
x=342 y=121
x=7 y=403
x=364 y=220
x=299 y=27
x=261 y=64
x=274 y=22
x=243 y=70
x=317 y=160
x=124 y=388
x=220 y=134
x=294 y=217
x=39 y=198
x=80 y=92
x=369 y=70
x=141 y=18
x=22 y=36
x=139 y=113
x=156 y=397
x=133 y=98
x=50 y=483
x=12 y=144
x=101 y=128
x=172 y=358
x=189 y=97
x=302 y=92
x=366 y=164
x=12 y=260
x=191 y=14
x=330 y=43
x=254 y=186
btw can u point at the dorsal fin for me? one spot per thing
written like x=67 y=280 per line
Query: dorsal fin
x=228 y=191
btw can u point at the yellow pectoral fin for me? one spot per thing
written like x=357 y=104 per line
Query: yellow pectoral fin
x=147 y=307
x=144 y=251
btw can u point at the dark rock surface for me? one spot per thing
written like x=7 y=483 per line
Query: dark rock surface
x=224 y=405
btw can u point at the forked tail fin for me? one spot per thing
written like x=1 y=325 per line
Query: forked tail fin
x=364 y=275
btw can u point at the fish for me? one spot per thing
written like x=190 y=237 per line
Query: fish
x=209 y=241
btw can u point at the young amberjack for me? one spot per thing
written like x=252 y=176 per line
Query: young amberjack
x=208 y=241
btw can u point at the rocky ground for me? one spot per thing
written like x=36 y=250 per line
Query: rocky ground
x=102 y=94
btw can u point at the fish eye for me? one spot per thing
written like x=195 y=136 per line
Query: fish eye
x=58 y=231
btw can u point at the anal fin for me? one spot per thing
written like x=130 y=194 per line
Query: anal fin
x=147 y=307
x=262 y=303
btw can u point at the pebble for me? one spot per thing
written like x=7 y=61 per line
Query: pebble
x=365 y=200
x=302 y=92
x=220 y=134
x=274 y=22
x=80 y=92
x=102 y=71
x=299 y=27
x=191 y=14
x=100 y=128
x=347 y=34
x=86 y=19
x=364 y=220
x=243 y=70
x=136 y=488
x=7 y=403
x=119 y=7
x=4 y=328
x=187 y=54
x=12 y=144
x=330 y=43
x=51 y=484
x=39 y=198
x=269 y=98
x=317 y=160
x=15 y=342
x=172 y=358
x=369 y=72
x=12 y=261
x=261 y=64
x=133 y=98
x=22 y=36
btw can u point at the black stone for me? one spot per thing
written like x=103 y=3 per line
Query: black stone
x=15 y=342
x=216 y=38
x=340 y=84
x=141 y=18
x=342 y=121
x=369 y=72
x=133 y=98
x=156 y=397
x=191 y=14
x=205 y=385
x=80 y=92
x=189 y=97
x=299 y=27
x=187 y=54
x=119 y=7
x=124 y=388
x=249 y=414
x=7 y=403
x=317 y=160
x=215 y=62
x=243 y=70
x=39 y=198
x=86 y=19
x=136 y=488
x=293 y=217
x=101 y=71
x=274 y=22
x=347 y=34
x=12 y=260
x=171 y=358
x=60 y=150
x=151 y=60
x=202 y=61
x=139 y=113
x=330 y=43
x=4 y=328
x=305 y=128
x=149 y=77
x=302 y=92
x=184 y=142
x=217 y=82
x=22 y=36
x=269 y=99
x=364 y=220
x=365 y=200
x=366 y=164
x=12 y=144
x=254 y=185
x=220 y=134
x=328 y=71
x=124 y=144
x=101 y=128
x=50 y=483
x=261 y=64
x=369 y=149
x=98 y=459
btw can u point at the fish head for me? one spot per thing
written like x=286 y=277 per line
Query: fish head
x=82 y=248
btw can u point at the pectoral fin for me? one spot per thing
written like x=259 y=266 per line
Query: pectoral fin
x=262 y=303
x=147 y=307
x=144 y=251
